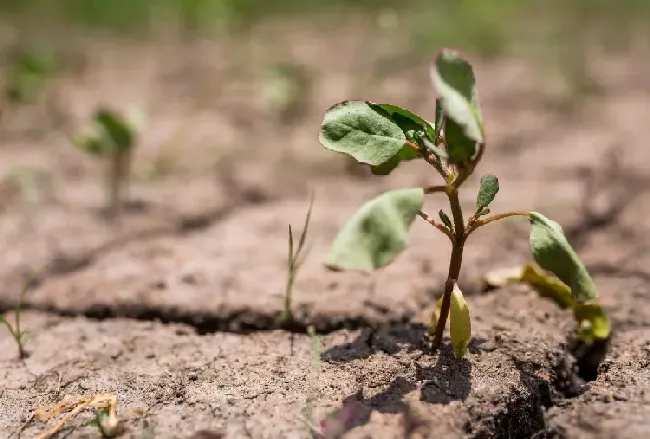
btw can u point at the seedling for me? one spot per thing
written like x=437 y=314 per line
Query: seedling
x=28 y=71
x=17 y=333
x=105 y=419
x=113 y=138
x=106 y=422
x=382 y=136
x=294 y=262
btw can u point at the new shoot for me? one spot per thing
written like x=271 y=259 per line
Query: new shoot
x=295 y=259
x=112 y=137
x=19 y=335
x=384 y=135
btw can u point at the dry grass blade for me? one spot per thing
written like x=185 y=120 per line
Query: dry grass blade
x=77 y=405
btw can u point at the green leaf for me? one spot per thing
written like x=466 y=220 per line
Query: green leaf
x=406 y=120
x=553 y=252
x=445 y=220
x=592 y=322
x=453 y=79
x=407 y=153
x=377 y=233
x=100 y=416
x=487 y=192
x=460 y=326
x=90 y=145
x=440 y=120
x=356 y=129
x=8 y=325
x=116 y=129
x=460 y=148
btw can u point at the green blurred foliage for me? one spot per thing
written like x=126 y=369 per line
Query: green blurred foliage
x=28 y=70
x=485 y=25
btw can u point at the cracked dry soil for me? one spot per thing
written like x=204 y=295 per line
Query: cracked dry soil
x=174 y=310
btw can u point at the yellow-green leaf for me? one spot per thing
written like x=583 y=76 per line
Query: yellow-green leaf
x=591 y=318
x=459 y=322
x=435 y=315
x=593 y=323
x=548 y=286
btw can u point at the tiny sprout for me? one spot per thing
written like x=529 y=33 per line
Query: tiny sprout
x=107 y=423
x=294 y=262
x=382 y=136
x=17 y=333
x=112 y=136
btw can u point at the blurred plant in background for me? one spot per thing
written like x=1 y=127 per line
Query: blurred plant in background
x=485 y=26
x=28 y=69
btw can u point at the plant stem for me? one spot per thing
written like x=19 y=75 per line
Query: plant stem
x=118 y=180
x=430 y=158
x=478 y=223
x=455 y=263
x=434 y=189
x=438 y=226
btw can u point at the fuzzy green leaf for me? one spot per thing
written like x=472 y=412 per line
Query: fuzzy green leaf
x=377 y=233
x=592 y=322
x=89 y=144
x=407 y=153
x=460 y=325
x=553 y=252
x=407 y=121
x=116 y=129
x=487 y=192
x=356 y=129
x=453 y=78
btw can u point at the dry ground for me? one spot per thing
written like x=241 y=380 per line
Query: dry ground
x=173 y=308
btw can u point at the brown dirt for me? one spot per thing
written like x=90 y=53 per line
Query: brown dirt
x=173 y=309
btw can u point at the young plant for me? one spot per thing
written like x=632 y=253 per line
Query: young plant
x=17 y=333
x=294 y=262
x=382 y=136
x=107 y=423
x=28 y=71
x=113 y=138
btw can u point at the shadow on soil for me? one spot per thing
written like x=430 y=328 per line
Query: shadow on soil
x=518 y=414
x=446 y=381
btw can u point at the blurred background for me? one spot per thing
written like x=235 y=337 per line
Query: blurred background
x=225 y=81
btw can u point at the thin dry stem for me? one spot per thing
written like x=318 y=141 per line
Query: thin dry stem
x=434 y=189
x=478 y=223
x=438 y=226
